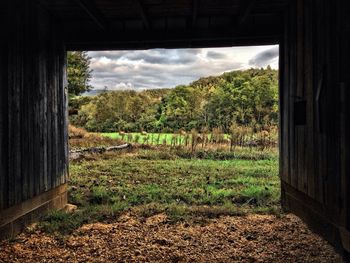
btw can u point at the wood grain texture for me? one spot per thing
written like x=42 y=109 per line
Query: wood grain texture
x=33 y=119
x=3 y=123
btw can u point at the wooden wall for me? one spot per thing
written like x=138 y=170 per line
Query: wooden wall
x=314 y=82
x=33 y=121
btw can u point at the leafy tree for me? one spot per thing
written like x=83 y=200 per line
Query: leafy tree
x=78 y=72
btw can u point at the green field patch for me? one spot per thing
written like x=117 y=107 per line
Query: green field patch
x=182 y=188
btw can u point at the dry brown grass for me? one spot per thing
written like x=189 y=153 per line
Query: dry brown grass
x=80 y=138
x=76 y=133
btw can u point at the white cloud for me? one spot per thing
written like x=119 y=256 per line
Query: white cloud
x=164 y=68
x=122 y=86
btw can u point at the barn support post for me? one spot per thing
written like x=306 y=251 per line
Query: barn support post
x=315 y=117
x=33 y=118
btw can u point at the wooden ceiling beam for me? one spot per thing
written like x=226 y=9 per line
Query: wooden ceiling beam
x=143 y=14
x=91 y=9
x=245 y=8
x=97 y=40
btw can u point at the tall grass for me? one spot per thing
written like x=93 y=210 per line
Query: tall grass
x=238 y=136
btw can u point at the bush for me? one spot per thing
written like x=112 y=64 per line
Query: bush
x=75 y=132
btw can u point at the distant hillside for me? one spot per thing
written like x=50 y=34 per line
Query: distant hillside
x=247 y=97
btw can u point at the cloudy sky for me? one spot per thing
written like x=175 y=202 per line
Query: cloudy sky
x=166 y=68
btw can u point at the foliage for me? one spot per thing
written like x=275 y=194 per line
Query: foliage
x=78 y=72
x=245 y=98
x=124 y=111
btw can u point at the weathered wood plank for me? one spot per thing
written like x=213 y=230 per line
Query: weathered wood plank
x=32 y=110
x=64 y=116
x=12 y=220
x=43 y=69
x=28 y=112
x=281 y=106
x=320 y=164
x=50 y=88
x=284 y=103
x=309 y=94
x=292 y=96
x=55 y=159
x=299 y=96
x=14 y=93
x=3 y=128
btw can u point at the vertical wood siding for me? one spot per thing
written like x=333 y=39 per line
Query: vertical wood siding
x=3 y=121
x=33 y=121
x=314 y=163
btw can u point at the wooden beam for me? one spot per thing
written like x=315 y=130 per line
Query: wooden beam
x=91 y=9
x=245 y=8
x=143 y=14
x=14 y=219
x=139 y=39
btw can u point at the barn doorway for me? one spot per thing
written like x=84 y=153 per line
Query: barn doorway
x=33 y=119
x=176 y=182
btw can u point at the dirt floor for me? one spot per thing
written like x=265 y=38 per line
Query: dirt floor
x=253 y=238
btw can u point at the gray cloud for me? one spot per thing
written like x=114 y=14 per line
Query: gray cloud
x=263 y=58
x=215 y=55
x=108 y=54
x=154 y=56
x=159 y=58
x=166 y=68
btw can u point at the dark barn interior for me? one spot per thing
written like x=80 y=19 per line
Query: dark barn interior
x=314 y=39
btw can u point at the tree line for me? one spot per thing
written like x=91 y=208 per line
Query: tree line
x=244 y=98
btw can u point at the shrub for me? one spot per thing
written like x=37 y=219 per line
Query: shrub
x=75 y=132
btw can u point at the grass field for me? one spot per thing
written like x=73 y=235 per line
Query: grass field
x=147 y=182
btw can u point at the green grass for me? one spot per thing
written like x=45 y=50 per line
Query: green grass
x=148 y=182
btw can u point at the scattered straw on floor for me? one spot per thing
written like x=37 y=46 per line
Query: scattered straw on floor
x=253 y=238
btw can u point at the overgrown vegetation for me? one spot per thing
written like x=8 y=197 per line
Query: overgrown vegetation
x=217 y=139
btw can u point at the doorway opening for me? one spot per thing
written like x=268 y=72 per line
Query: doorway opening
x=199 y=126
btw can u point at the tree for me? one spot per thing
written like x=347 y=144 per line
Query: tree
x=79 y=72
